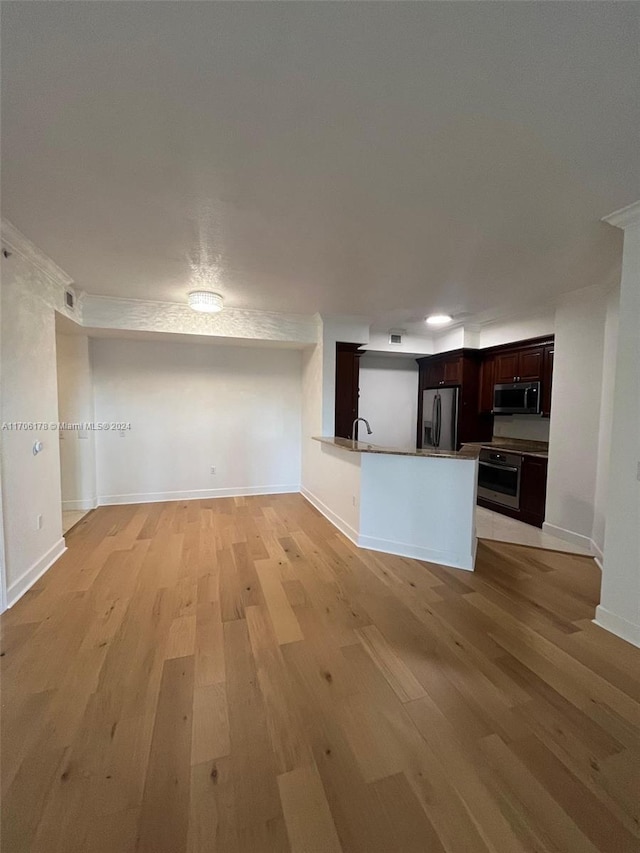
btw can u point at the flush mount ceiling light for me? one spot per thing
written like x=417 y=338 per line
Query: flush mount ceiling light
x=205 y=301
x=438 y=319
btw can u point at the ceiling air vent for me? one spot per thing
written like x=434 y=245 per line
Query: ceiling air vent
x=70 y=299
x=395 y=336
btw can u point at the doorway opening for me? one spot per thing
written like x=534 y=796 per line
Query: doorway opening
x=75 y=416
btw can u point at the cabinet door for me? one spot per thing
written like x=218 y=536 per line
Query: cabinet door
x=452 y=371
x=487 y=371
x=533 y=489
x=530 y=365
x=547 y=380
x=435 y=374
x=347 y=380
x=506 y=367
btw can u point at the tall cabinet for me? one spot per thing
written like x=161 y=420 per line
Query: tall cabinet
x=347 y=388
x=461 y=369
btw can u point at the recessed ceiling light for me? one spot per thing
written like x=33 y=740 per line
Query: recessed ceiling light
x=205 y=301
x=438 y=319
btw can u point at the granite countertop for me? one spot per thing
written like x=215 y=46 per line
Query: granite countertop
x=513 y=445
x=467 y=452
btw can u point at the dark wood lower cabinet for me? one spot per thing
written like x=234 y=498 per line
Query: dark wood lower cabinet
x=533 y=490
x=533 y=493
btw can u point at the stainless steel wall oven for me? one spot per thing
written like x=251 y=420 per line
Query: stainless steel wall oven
x=499 y=477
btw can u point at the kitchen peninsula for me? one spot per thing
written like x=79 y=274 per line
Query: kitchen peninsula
x=413 y=503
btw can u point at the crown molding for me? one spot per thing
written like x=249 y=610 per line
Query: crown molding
x=624 y=217
x=15 y=240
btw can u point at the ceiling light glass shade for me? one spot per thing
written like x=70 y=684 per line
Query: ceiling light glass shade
x=439 y=319
x=205 y=301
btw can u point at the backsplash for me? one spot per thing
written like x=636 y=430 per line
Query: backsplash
x=521 y=426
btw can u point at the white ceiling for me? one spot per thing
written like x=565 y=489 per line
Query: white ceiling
x=385 y=159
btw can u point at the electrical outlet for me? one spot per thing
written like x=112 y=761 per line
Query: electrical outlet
x=213 y=469
x=38 y=522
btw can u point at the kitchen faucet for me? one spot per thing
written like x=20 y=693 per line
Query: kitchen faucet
x=353 y=427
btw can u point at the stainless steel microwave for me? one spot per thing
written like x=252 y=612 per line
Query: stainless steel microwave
x=516 y=398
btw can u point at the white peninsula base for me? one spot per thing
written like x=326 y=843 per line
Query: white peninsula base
x=411 y=503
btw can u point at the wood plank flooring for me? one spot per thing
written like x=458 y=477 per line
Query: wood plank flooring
x=234 y=675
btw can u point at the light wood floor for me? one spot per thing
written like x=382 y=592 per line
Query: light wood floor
x=234 y=675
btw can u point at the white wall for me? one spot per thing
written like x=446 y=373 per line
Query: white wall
x=619 y=610
x=326 y=483
x=575 y=415
x=30 y=484
x=606 y=418
x=517 y=329
x=389 y=399
x=449 y=340
x=75 y=405
x=411 y=343
x=193 y=406
x=334 y=487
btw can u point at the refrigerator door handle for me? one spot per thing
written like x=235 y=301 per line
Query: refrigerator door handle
x=434 y=412
x=439 y=419
x=455 y=420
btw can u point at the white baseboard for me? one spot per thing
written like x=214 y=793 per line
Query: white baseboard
x=86 y=504
x=387 y=546
x=567 y=535
x=195 y=494
x=598 y=556
x=417 y=552
x=618 y=625
x=18 y=588
x=331 y=516
x=575 y=539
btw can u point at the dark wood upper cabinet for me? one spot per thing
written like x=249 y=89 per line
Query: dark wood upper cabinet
x=452 y=371
x=506 y=367
x=434 y=374
x=441 y=370
x=521 y=365
x=530 y=365
x=476 y=372
x=487 y=381
x=347 y=382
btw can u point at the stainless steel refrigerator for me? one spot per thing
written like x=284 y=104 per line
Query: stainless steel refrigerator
x=440 y=418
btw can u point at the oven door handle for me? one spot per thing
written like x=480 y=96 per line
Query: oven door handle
x=500 y=467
